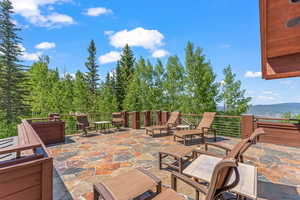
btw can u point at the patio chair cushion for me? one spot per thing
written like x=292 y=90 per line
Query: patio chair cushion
x=129 y=185
x=169 y=194
x=157 y=127
x=178 y=151
x=184 y=133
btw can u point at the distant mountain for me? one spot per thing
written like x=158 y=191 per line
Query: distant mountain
x=274 y=110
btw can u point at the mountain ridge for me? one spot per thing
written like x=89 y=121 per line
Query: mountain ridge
x=274 y=110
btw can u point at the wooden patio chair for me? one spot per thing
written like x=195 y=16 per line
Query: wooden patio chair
x=117 y=120
x=205 y=126
x=170 y=124
x=181 y=154
x=238 y=150
x=83 y=124
x=127 y=186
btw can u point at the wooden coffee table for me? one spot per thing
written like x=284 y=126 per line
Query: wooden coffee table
x=202 y=168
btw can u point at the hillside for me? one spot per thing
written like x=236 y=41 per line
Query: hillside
x=274 y=110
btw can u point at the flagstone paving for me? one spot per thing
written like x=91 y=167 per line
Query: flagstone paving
x=83 y=161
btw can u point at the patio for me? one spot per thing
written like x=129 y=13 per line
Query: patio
x=83 y=161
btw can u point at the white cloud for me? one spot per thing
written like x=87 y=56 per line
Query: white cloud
x=110 y=57
x=108 y=32
x=94 y=12
x=31 y=11
x=160 y=53
x=139 y=37
x=250 y=74
x=29 y=56
x=45 y=45
x=62 y=19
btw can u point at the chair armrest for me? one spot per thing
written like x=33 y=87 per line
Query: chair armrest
x=227 y=149
x=199 y=187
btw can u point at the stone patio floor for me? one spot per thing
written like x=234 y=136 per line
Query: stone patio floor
x=83 y=161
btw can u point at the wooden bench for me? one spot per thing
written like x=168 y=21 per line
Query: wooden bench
x=29 y=174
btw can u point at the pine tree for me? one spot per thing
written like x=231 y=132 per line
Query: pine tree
x=12 y=76
x=92 y=76
x=174 y=84
x=124 y=73
x=235 y=102
x=81 y=93
x=201 y=87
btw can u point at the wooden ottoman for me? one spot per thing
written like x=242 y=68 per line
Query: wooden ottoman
x=179 y=153
x=127 y=186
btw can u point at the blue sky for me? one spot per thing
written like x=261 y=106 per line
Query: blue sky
x=228 y=32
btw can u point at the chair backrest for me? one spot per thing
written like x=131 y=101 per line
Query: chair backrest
x=173 y=118
x=207 y=120
x=220 y=178
x=83 y=119
x=244 y=144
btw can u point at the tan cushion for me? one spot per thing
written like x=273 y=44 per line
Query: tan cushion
x=183 y=133
x=158 y=127
x=169 y=194
x=129 y=185
x=178 y=150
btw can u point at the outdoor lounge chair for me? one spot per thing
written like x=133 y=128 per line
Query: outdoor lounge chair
x=136 y=182
x=205 y=126
x=238 y=150
x=181 y=154
x=83 y=124
x=170 y=123
x=219 y=183
x=127 y=186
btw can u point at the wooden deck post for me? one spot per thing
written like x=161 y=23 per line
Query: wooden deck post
x=247 y=125
x=125 y=117
x=147 y=118
x=158 y=117
x=165 y=117
x=135 y=120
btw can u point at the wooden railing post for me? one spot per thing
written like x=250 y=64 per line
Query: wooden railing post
x=135 y=120
x=165 y=117
x=158 y=117
x=147 y=118
x=125 y=117
x=247 y=125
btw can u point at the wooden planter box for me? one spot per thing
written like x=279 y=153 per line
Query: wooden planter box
x=280 y=133
x=280 y=38
x=50 y=132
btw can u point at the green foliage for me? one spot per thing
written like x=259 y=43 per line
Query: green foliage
x=38 y=87
x=173 y=84
x=12 y=77
x=81 y=93
x=235 y=102
x=108 y=99
x=124 y=73
x=7 y=130
x=201 y=87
